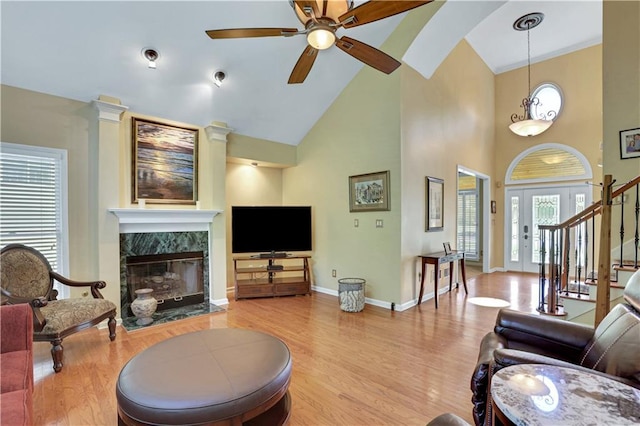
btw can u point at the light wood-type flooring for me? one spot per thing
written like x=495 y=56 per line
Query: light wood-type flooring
x=375 y=367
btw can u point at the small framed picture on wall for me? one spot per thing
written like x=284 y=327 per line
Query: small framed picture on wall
x=434 y=197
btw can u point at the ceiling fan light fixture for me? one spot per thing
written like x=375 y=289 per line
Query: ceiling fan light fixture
x=321 y=37
x=526 y=125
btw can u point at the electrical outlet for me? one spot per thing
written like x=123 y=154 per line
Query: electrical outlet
x=333 y=273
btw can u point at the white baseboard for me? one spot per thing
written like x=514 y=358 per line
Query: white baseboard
x=383 y=303
x=220 y=302
x=367 y=300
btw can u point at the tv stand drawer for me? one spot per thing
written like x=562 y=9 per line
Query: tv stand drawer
x=292 y=288
x=290 y=278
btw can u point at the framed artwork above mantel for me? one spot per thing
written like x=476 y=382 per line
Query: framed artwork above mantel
x=165 y=163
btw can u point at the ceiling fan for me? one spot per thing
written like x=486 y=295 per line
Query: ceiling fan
x=321 y=19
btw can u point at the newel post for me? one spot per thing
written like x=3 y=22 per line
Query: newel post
x=604 y=264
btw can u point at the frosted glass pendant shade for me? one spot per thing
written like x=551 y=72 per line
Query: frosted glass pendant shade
x=530 y=127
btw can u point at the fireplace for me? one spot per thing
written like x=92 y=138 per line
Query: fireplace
x=176 y=278
x=159 y=232
x=155 y=266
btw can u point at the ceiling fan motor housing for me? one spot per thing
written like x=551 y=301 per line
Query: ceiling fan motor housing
x=334 y=9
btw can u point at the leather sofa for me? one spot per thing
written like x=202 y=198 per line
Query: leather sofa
x=611 y=349
x=16 y=365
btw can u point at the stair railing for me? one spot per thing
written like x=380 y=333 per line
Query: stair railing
x=568 y=250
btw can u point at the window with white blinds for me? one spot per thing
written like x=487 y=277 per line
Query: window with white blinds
x=33 y=200
x=468 y=229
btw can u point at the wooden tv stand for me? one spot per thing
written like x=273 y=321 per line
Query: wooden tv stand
x=271 y=276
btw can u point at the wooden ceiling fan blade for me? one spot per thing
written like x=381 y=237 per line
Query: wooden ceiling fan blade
x=374 y=10
x=252 y=32
x=369 y=55
x=303 y=66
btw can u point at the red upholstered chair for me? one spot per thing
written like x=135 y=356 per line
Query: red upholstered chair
x=16 y=365
x=27 y=277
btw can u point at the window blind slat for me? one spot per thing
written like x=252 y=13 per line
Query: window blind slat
x=30 y=202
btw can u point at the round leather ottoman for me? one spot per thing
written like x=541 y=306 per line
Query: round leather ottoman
x=220 y=376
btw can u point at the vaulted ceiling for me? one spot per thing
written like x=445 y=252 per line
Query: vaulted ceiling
x=82 y=49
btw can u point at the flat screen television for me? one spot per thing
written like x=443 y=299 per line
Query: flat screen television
x=269 y=229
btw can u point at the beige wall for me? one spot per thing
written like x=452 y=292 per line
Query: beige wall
x=249 y=186
x=32 y=118
x=261 y=151
x=621 y=103
x=447 y=121
x=359 y=133
x=621 y=91
x=579 y=125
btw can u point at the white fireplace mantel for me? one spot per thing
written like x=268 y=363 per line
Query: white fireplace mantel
x=164 y=220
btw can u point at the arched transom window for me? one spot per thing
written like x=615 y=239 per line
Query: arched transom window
x=548 y=162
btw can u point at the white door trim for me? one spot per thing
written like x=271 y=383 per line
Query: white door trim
x=486 y=212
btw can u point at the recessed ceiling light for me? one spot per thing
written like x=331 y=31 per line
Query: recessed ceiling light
x=151 y=55
x=218 y=77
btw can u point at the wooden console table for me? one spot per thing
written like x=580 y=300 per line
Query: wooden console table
x=436 y=259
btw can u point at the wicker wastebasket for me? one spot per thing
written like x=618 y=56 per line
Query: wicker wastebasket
x=351 y=293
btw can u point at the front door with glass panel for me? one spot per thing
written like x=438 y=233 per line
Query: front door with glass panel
x=528 y=208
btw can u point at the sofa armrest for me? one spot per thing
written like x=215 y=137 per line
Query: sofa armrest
x=16 y=322
x=549 y=335
x=480 y=378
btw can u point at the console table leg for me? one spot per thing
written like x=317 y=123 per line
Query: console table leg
x=464 y=276
x=436 y=272
x=421 y=284
x=451 y=275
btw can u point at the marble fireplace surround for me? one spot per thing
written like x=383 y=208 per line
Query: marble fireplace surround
x=158 y=231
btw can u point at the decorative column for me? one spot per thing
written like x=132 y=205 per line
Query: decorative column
x=105 y=159
x=214 y=155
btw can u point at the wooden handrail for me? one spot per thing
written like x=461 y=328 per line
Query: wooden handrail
x=559 y=268
x=625 y=187
x=576 y=219
x=592 y=210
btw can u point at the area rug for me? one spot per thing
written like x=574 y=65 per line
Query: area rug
x=170 y=315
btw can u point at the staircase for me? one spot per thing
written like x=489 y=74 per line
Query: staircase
x=582 y=277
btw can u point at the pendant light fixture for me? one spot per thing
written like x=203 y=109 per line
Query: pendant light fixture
x=526 y=124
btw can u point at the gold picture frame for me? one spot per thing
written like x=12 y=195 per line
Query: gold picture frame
x=369 y=192
x=165 y=163
x=434 y=196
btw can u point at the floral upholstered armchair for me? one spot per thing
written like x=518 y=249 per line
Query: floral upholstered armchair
x=27 y=277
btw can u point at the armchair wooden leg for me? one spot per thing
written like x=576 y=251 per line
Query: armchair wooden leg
x=56 y=354
x=112 y=328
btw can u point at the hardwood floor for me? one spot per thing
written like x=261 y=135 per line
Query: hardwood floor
x=375 y=367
